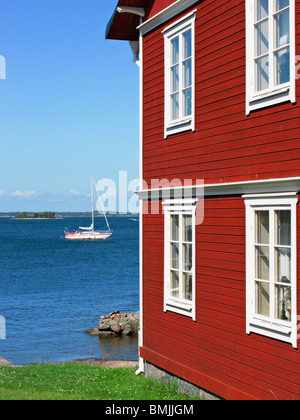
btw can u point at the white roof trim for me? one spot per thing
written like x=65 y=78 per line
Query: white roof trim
x=166 y=14
x=276 y=185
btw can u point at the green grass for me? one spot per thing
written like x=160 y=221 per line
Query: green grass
x=75 y=381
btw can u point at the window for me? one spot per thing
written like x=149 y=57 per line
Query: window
x=180 y=256
x=271 y=266
x=179 y=76
x=270 y=52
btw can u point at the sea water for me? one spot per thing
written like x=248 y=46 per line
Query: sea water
x=53 y=290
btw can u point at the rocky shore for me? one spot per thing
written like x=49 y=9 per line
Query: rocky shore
x=117 y=323
x=4 y=362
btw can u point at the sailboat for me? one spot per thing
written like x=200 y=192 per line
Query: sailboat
x=88 y=233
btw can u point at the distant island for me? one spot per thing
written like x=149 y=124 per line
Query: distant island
x=62 y=215
x=43 y=215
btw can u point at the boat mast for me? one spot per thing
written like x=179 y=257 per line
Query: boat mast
x=92 y=190
x=104 y=214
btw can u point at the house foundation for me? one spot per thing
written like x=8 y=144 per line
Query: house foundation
x=185 y=387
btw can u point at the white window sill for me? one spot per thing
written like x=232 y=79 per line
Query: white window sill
x=179 y=127
x=277 y=330
x=180 y=308
x=269 y=98
x=263 y=95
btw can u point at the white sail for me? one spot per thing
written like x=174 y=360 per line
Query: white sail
x=87 y=228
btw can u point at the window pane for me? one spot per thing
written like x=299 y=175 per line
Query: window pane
x=282 y=63
x=262 y=262
x=283 y=227
x=262 y=299
x=187 y=287
x=187 y=100
x=175 y=51
x=174 y=284
x=282 y=25
x=175 y=106
x=262 y=227
x=262 y=73
x=187 y=257
x=283 y=303
x=262 y=38
x=187 y=228
x=281 y=4
x=187 y=44
x=283 y=265
x=262 y=9
x=187 y=73
x=174 y=227
x=174 y=256
x=174 y=79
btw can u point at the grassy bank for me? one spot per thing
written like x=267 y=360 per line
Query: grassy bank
x=74 y=381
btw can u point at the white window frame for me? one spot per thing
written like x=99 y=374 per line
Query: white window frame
x=179 y=207
x=172 y=31
x=276 y=93
x=270 y=326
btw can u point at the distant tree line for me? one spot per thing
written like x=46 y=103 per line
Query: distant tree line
x=43 y=215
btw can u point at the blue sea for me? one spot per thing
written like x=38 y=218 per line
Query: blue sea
x=53 y=290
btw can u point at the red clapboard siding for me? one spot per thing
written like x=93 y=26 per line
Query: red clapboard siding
x=227 y=145
x=157 y=6
x=214 y=352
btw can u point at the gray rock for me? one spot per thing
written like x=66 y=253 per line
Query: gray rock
x=116 y=328
x=94 y=333
x=131 y=327
x=104 y=324
x=117 y=323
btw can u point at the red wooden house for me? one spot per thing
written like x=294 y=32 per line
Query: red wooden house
x=220 y=179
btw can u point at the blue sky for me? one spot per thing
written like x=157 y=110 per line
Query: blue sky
x=68 y=106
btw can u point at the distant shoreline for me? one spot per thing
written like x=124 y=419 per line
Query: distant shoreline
x=37 y=218
x=123 y=363
x=62 y=215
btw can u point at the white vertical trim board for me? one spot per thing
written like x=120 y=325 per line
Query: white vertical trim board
x=141 y=329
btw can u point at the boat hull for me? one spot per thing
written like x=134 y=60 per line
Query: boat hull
x=86 y=236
